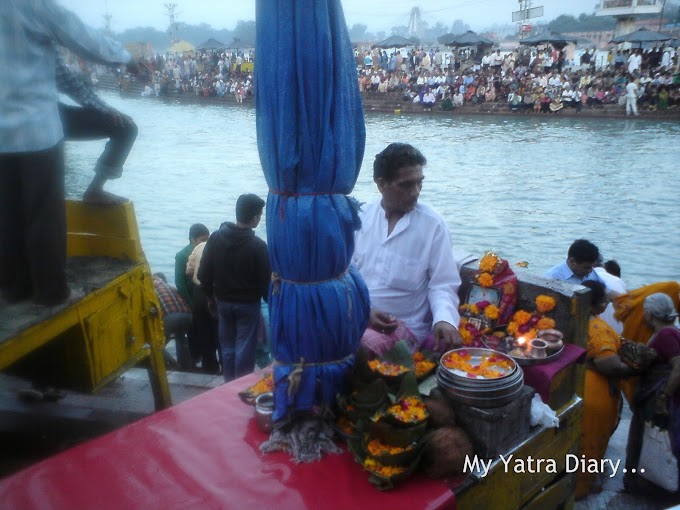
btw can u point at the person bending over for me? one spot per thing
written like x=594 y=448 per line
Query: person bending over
x=404 y=254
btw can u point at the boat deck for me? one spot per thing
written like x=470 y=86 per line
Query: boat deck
x=84 y=275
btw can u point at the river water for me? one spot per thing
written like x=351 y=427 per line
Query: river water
x=525 y=186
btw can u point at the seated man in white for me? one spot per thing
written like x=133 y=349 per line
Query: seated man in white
x=404 y=253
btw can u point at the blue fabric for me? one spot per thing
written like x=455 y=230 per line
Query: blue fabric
x=311 y=137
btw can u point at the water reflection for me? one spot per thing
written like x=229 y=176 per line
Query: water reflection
x=524 y=185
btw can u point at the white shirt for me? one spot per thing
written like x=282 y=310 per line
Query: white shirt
x=194 y=262
x=634 y=63
x=616 y=284
x=411 y=273
x=632 y=89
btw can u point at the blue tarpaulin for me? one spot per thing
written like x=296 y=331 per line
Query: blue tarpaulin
x=310 y=137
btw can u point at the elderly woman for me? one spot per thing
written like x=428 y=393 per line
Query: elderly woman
x=601 y=396
x=658 y=394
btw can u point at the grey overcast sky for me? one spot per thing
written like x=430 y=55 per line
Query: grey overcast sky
x=376 y=14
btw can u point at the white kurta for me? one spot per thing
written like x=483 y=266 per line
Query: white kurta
x=411 y=273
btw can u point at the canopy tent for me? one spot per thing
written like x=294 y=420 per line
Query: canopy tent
x=582 y=42
x=181 y=47
x=310 y=137
x=212 y=44
x=642 y=35
x=555 y=39
x=395 y=41
x=470 y=38
x=238 y=44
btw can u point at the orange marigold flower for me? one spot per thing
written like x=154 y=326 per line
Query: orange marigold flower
x=409 y=410
x=375 y=467
x=376 y=448
x=521 y=317
x=466 y=336
x=544 y=303
x=545 y=323
x=264 y=385
x=491 y=312
x=474 y=309
x=387 y=368
x=485 y=279
x=489 y=262
x=512 y=328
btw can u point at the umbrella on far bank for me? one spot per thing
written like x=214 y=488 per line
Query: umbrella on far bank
x=642 y=35
x=395 y=41
x=211 y=44
x=470 y=38
x=181 y=47
x=557 y=40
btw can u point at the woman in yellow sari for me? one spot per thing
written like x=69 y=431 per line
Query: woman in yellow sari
x=601 y=396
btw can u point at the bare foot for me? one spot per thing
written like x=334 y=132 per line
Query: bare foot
x=101 y=197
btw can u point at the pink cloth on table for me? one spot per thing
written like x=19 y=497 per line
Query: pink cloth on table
x=377 y=343
x=539 y=377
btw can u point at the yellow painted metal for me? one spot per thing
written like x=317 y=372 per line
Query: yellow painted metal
x=111 y=328
x=516 y=489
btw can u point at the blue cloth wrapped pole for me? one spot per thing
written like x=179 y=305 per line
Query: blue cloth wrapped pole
x=311 y=138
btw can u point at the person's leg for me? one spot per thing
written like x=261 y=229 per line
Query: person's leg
x=14 y=273
x=84 y=124
x=633 y=102
x=227 y=339
x=44 y=212
x=177 y=325
x=204 y=332
x=247 y=317
x=628 y=106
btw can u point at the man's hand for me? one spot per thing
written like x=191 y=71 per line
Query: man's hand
x=446 y=336
x=382 y=322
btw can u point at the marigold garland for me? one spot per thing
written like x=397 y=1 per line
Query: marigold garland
x=521 y=317
x=489 y=262
x=491 y=312
x=485 y=279
x=545 y=304
x=545 y=323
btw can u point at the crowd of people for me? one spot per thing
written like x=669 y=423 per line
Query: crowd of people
x=528 y=82
x=198 y=73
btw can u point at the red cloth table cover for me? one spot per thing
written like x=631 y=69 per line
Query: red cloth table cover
x=203 y=454
x=539 y=377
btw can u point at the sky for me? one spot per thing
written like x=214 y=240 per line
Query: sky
x=378 y=15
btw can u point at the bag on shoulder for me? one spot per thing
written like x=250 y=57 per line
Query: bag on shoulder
x=657 y=463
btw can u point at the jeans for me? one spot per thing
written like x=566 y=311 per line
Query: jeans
x=178 y=325
x=237 y=333
x=90 y=124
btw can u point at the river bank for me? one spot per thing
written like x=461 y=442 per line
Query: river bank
x=391 y=102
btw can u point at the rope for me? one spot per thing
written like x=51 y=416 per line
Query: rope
x=295 y=377
x=276 y=281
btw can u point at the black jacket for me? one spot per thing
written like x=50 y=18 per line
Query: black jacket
x=235 y=265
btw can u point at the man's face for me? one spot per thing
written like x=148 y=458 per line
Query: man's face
x=401 y=194
x=580 y=269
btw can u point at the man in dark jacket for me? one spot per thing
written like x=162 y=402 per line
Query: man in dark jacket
x=234 y=274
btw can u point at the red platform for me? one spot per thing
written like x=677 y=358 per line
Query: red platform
x=203 y=454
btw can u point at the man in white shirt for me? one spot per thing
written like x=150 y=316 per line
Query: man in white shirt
x=404 y=254
x=634 y=62
x=632 y=92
